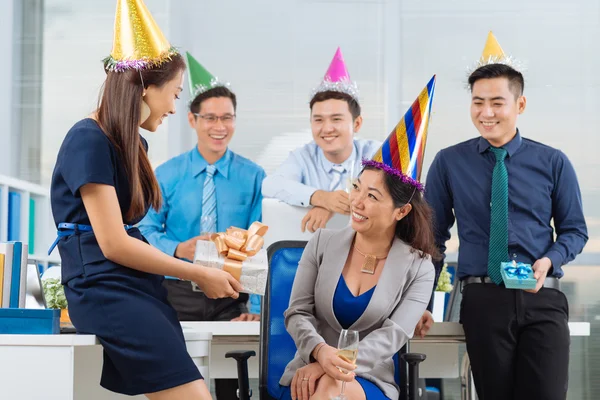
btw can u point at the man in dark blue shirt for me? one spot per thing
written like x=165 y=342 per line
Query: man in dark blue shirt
x=509 y=196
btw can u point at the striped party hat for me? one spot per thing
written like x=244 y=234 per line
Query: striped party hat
x=402 y=152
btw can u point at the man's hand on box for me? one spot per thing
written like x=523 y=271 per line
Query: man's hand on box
x=187 y=249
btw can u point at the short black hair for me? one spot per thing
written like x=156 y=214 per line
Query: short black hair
x=353 y=105
x=516 y=83
x=219 y=91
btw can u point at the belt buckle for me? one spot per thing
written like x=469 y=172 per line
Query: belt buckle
x=195 y=287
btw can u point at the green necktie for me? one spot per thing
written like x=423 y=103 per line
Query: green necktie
x=498 y=251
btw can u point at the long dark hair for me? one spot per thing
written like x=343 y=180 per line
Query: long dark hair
x=416 y=228
x=119 y=114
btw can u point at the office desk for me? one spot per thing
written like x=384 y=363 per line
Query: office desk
x=227 y=336
x=68 y=367
x=440 y=345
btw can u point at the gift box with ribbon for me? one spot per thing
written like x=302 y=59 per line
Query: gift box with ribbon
x=239 y=252
x=517 y=275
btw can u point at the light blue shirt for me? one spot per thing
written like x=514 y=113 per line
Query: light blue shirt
x=239 y=201
x=307 y=170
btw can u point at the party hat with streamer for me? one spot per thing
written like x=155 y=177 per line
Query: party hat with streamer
x=138 y=41
x=402 y=152
x=200 y=80
x=337 y=78
x=493 y=54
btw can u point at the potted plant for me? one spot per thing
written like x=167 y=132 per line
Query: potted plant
x=55 y=298
x=439 y=297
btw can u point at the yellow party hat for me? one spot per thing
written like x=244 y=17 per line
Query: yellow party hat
x=492 y=49
x=138 y=41
x=493 y=54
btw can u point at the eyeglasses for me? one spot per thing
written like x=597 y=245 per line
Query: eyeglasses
x=226 y=119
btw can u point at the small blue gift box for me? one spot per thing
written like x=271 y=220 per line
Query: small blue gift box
x=21 y=321
x=517 y=275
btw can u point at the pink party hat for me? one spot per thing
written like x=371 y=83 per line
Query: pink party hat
x=337 y=78
x=337 y=69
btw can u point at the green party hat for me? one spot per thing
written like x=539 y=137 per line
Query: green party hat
x=199 y=78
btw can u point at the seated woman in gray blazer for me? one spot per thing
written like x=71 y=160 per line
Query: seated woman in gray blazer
x=383 y=299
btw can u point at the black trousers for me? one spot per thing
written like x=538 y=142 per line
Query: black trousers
x=518 y=342
x=195 y=306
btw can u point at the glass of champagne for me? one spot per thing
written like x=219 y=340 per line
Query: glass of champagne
x=206 y=221
x=347 y=351
x=350 y=179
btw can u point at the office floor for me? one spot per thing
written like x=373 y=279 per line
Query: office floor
x=253 y=386
x=451 y=389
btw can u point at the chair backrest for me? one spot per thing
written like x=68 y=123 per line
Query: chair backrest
x=277 y=348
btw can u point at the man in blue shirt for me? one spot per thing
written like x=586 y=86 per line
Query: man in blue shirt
x=319 y=173
x=207 y=189
x=507 y=193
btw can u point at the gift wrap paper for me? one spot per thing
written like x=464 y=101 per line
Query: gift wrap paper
x=251 y=273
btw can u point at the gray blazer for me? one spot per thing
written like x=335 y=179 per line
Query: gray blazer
x=400 y=298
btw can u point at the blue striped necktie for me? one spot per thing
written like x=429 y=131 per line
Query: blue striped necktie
x=209 y=201
x=338 y=173
x=498 y=250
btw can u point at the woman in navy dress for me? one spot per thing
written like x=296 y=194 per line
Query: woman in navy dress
x=102 y=184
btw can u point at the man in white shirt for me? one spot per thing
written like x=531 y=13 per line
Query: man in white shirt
x=319 y=173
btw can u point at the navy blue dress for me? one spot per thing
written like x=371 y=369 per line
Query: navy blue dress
x=144 y=347
x=348 y=309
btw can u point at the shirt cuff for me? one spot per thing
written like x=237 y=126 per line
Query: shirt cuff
x=254 y=304
x=556 y=258
x=168 y=246
x=304 y=195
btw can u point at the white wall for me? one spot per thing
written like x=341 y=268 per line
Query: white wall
x=274 y=52
x=10 y=25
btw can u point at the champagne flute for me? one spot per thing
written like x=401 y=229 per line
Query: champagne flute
x=350 y=179
x=347 y=351
x=206 y=222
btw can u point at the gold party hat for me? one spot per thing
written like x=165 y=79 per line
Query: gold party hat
x=138 y=41
x=492 y=50
x=493 y=54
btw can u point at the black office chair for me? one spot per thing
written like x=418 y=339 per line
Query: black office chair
x=277 y=348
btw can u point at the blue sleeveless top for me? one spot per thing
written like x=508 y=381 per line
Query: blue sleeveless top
x=347 y=307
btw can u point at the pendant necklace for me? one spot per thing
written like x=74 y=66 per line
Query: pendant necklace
x=370 y=262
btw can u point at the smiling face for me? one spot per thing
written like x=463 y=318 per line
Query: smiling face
x=214 y=124
x=333 y=128
x=371 y=204
x=161 y=101
x=494 y=110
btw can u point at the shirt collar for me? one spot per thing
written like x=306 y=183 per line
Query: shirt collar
x=510 y=147
x=199 y=164
x=347 y=164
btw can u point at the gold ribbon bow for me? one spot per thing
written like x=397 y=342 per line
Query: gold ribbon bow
x=237 y=244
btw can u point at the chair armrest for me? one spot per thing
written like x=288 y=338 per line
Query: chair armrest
x=241 y=357
x=413 y=360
